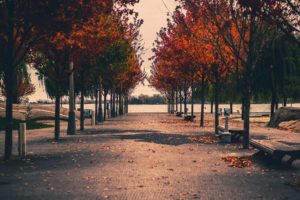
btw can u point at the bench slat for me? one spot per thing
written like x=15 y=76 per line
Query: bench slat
x=272 y=146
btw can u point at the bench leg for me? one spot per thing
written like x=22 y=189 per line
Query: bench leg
x=288 y=160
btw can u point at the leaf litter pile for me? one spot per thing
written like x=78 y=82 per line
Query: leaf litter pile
x=238 y=162
x=206 y=139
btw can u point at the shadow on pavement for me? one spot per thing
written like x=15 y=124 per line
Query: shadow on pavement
x=158 y=138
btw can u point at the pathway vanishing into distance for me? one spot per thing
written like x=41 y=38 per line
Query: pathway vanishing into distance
x=140 y=157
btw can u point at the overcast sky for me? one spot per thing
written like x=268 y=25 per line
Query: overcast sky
x=154 y=14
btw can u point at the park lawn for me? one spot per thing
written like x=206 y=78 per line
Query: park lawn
x=30 y=125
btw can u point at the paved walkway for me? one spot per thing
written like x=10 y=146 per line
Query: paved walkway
x=140 y=157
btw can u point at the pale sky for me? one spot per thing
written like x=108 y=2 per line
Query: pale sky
x=154 y=14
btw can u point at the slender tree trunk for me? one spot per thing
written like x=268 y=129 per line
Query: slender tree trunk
x=272 y=105
x=126 y=104
x=169 y=105
x=284 y=101
x=217 y=94
x=100 y=111
x=216 y=106
x=185 y=100
x=231 y=107
x=105 y=106
x=276 y=104
x=120 y=104
x=274 y=96
x=111 y=104
x=180 y=96
x=82 y=111
x=176 y=99
x=202 y=101
x=243 y=108
x=10 y=80
x=57 y=114
x=246 y=119
x=172 y=102
x=114 y=105
x=117 y=105
x=96 y=105
x=192 y=100
x=211 y=106
x=8 y=116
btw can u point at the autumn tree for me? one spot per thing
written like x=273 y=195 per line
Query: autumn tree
x=25 y=23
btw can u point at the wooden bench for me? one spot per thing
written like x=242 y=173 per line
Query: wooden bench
x=236 y=134
x=189 y=117
x=277 y=150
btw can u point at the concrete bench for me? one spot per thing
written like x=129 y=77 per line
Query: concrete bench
x=277 y=150
x=235 y=134
x=179 y=114
x=189 y=117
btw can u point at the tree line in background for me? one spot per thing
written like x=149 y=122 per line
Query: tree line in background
x=145 y=99
x=100 y=38
x=231 y=50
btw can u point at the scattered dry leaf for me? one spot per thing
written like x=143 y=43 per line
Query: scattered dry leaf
x=206 y=139
x=238 y=162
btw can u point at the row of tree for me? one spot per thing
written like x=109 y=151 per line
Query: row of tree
x=244 y=48
x=145 y=99
x=97 y=41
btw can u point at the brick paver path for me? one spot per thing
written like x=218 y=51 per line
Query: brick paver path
x=140 y=157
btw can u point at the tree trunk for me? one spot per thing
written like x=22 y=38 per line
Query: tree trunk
x=180 y=96
x=96 y=105
x=10 y=80
x=247 y=99
x=185 y=101
x=105 y=106
x=100 y=111
x=120 y=105
x=202 y=101
x=284 y=100
x=246 y=120
x=114 y=105
x=117 y=105
x=217 y=94
x=243 y=107
x=111 y=105
x=82 y=111
x=192 y=100
x=172 y=102
x=176 y=100
x=9 y=113
x=216 y=106
x=231 y=107
x=169 y=106
x=211 y=106
x=57 y=116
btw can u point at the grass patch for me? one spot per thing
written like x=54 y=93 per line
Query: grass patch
x=30 y=125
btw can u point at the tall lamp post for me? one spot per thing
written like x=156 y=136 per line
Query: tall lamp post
x=72 y=117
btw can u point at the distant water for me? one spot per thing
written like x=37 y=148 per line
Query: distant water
x=164 y=108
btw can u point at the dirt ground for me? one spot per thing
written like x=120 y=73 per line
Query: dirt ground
x=146 y=156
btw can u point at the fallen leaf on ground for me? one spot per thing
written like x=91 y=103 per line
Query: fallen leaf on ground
x=206 y=139
x=238 y=162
